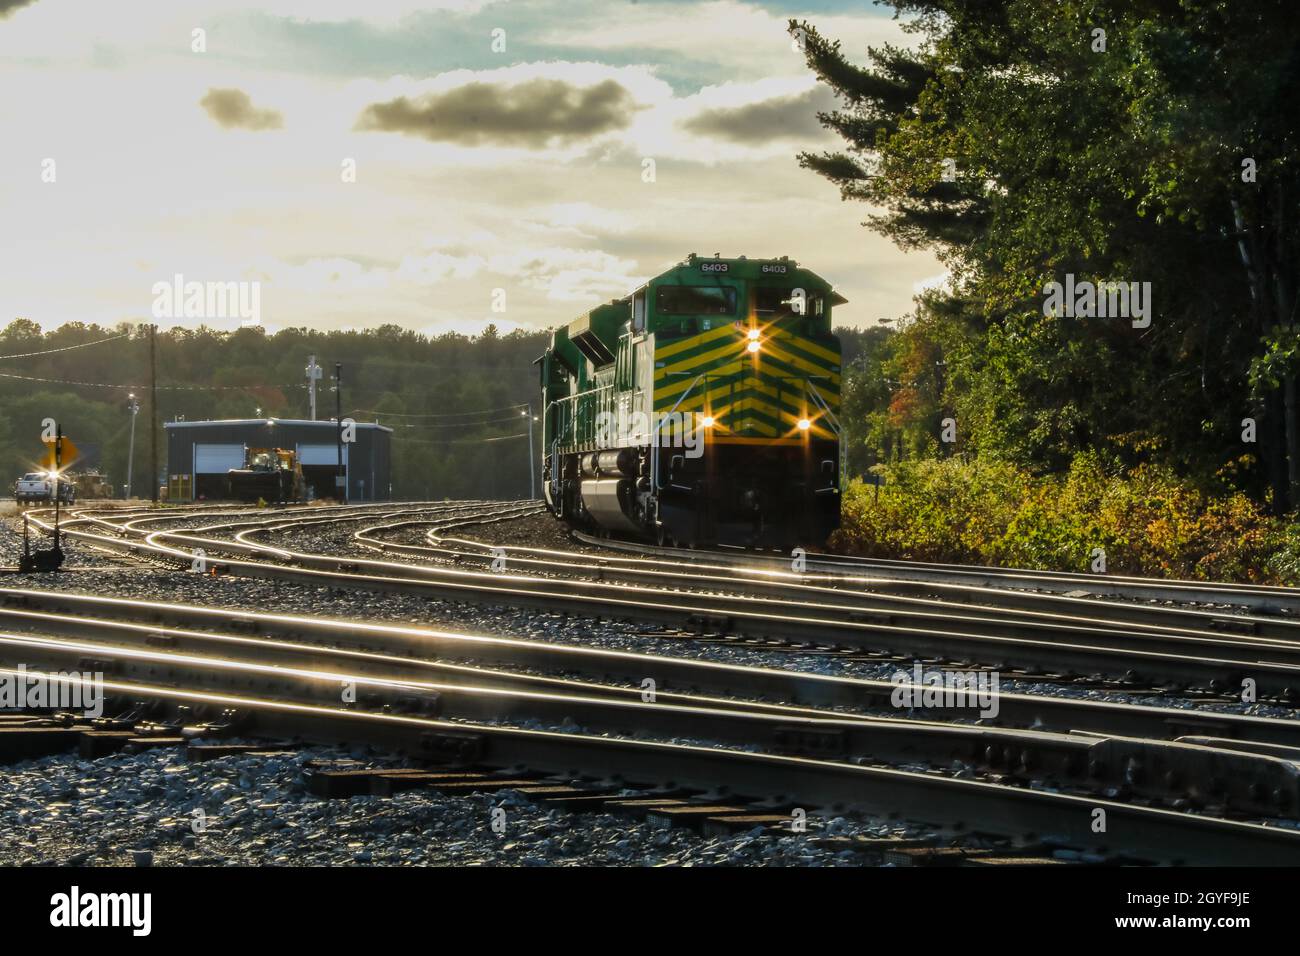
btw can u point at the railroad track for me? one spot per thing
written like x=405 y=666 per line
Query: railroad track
x=1044 y=755
x=1133 y=832
x=1044 y=644
x=1034 y=643
x=520 y=663
x=1267 y=599
x=868 y=591
x=276 y=688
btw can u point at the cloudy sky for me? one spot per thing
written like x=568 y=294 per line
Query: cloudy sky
x=396 y=161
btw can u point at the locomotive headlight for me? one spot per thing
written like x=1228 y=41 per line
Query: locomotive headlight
x=707 y=421
x=804 y=424
x=753 y=335
x=754 y=345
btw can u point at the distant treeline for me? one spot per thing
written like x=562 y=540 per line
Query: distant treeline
x=431 y=391
x=448 y=398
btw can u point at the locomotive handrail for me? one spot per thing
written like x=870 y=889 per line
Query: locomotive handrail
x=659 y=425
x=573 y=418
x=835 y=424
x=824 y=405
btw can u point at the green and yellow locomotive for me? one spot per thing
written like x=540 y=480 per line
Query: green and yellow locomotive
x=701 y=409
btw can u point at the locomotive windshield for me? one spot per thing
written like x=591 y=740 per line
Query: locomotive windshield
x=695 y=300
x=781 y=301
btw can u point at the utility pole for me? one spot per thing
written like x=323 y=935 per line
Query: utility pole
x=313 y=376
x=134 y=408
x=58 y=489
x=153 y=414
x=341 y=481
x=532 y=468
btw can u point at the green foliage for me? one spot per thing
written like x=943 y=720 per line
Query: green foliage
x=1123 y=162
x=1147 y=519
x=390 y=374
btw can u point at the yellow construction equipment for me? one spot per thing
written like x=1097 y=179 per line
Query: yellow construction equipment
x=272 y=475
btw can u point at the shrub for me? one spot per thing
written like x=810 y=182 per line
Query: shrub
x=1148 y=520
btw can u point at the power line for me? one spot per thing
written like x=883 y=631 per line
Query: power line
x=172 y=388
x=456 y=441
x=66 y=348
x=481 y=411
x=478 y=441
x=493 y=421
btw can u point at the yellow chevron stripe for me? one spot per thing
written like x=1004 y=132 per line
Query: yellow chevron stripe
x=722 y=392
x=795 y=403
x=738 y=411
x=770 y=333
x=781 y=333
x=727 y=414
x=680 y=383
x=808 y=345
x=668 y=391
x=693 y=341
x=697 y=364
x=732 y=349
x=803 y=364
x=757 y=425
x=743 y=403
x=792 y=390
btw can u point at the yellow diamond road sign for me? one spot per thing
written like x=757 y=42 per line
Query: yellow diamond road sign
x=68 y=457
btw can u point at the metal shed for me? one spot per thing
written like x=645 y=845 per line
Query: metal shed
x=200 y=453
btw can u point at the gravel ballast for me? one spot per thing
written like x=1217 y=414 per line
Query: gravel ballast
x=132 y=807
x=154 y=808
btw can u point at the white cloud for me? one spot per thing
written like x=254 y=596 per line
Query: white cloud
x=77 y=28
x=568 y=275
x=736 y=38
x=388 y=12
x=580 y=219
x=931 y=282
x=148 y=186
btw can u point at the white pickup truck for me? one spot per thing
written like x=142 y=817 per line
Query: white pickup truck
x=38 y=486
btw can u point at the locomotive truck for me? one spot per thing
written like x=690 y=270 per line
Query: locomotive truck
x=699 y=410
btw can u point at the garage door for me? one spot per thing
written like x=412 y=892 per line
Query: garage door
x=217 y=459
x=321 y=455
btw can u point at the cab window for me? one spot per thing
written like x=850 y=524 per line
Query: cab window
x=638 y=313
x=695 y=300
x=781 y=301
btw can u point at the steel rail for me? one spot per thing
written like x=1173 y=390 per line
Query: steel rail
x=729 y=605
x=965 y=805
x=1267 y=598
x=395 y=649
x=1093 y=613
x=1047 y=608
x=1243 y=781
x=253 y=517
x=1169 y=657
x=1024 y=625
